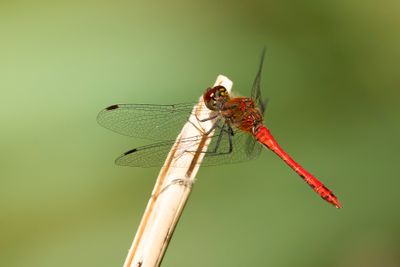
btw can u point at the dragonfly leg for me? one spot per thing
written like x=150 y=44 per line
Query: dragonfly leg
x=230 y=134
x=215 y=152
x=207 y=119
x=222 y=131
x=215 y=125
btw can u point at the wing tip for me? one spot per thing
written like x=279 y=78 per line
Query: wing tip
x=130 y=151
x=119 y=161
x=112 y=107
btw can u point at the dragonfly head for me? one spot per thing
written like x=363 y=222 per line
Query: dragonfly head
x=215 y=97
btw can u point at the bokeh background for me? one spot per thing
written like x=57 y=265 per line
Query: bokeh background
x=332 y=76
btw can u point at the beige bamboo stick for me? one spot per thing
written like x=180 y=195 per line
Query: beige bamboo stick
x=171 y=191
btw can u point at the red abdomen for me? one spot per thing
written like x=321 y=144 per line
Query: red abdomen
x=264 y=136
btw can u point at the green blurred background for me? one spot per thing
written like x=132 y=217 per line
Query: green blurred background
x=332 y=76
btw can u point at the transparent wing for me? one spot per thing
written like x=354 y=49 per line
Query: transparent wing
x=256 y=88
x=156 y=122
x=244 y=147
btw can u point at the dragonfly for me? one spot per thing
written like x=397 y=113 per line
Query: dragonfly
x=238 y=132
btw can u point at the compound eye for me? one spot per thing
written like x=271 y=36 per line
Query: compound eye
x=222 y=91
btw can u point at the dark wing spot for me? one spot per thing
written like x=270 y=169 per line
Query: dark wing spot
x=130 y=151
x=112 y=107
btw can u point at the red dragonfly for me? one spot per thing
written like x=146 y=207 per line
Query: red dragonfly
x=237 y=134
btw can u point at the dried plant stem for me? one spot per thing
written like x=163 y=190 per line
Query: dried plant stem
x=170 y=193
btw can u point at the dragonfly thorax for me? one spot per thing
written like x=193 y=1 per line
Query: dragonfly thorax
x=215 y=97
